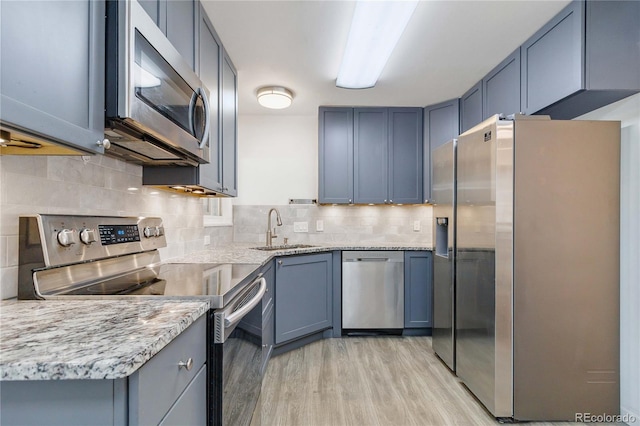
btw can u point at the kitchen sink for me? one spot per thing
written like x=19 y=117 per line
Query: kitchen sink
x=283 y=247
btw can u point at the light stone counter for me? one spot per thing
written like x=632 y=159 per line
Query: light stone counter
x=87 y=339
x=247 y=253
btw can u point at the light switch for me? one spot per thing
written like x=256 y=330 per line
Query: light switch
x=207 y=240
x=319 y=225
x=416 y=226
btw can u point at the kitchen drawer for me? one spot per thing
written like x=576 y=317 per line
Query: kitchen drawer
x=155 y=387
x=191 y=407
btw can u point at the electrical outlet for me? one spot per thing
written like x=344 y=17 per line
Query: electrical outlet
x=319 y=225
x=300 y=226
x=207 y=240
x=416 y=226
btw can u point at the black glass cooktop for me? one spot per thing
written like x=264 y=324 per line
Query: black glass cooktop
x=218 y=282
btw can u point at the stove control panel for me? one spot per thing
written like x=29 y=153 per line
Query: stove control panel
x=66 y=239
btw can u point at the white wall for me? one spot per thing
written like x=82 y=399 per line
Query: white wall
x=628 y=112
x=277 y=159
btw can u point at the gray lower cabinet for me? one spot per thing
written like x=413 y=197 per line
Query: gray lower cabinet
x=303 y=296
x=35 y=85
x=160 y=392
x=418 y=289
x=587 y=56
x=441 y=124
x=501 y=88
x=471 y=107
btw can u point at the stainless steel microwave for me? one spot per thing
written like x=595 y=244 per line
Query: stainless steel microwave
x=157 y=109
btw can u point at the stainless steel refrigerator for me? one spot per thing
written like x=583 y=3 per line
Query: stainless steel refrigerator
x=537 y=266
x=444 y=234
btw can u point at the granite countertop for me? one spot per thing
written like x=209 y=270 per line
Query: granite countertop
x=247 y=253
x=87 y=339
x=111 y=339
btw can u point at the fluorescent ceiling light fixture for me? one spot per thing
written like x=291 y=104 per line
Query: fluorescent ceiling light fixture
x=275 y=97
x=375 y=30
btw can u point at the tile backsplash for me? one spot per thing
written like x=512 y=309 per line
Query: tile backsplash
x=361 y=224
x=90 y=185
x=100 y=185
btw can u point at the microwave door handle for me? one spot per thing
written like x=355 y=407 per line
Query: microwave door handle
x=207 y=114
x=192 y=107
x=235 y=317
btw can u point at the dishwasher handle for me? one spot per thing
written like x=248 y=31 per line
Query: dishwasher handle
x=371 y=259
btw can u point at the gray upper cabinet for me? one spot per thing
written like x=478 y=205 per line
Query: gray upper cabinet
x=370 y=155
x=229 y=131
x=177 y=20
x=370 y=140
x=501 y=88
x=441 y=124
x=35 y=84
x=405 y=155
x=303 y=296
x=181 y=27
x=471 y=108
x=208 y=63
x=586 y=57
x=335 y=155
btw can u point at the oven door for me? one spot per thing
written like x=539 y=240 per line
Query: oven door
x=157 y=93
x=236 y=358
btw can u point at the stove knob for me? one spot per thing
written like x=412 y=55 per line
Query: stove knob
x=150 y=231
x=159 y=231
x=67 y=237
x=88 y=236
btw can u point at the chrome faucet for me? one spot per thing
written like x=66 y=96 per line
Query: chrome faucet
x=272 y=235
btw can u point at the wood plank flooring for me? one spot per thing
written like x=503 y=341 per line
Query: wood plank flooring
x=367 y=381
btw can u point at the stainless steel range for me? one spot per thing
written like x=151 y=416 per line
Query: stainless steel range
x=65 y=256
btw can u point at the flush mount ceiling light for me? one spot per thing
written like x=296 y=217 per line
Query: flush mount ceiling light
x=275 y=97
x=375 y=30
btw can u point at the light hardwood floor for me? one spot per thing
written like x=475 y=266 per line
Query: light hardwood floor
x=367 y=381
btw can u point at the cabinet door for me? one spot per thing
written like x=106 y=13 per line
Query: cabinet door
x=501 y=87
x=303 y=296
x=405 y=155
x=52 y=70
x=229 y=145
x=152 y=7
x=335 y=156
x=371 y=155
x=418 y=285
x=471 y=108
x=442 y=123
x=208 y=68
x=191 y=406
x=553 y=60
x=180 y=27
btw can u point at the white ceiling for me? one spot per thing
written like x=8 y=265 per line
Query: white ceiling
x=448 y=46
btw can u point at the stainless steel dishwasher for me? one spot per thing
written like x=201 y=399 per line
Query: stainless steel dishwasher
x=372 y=290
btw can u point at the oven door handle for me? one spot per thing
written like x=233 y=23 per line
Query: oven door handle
x=234 y=318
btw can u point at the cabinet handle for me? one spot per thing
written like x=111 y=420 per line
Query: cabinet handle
x=279 y=262
x=105 y=143
x=350 y=201
x=188 y=365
